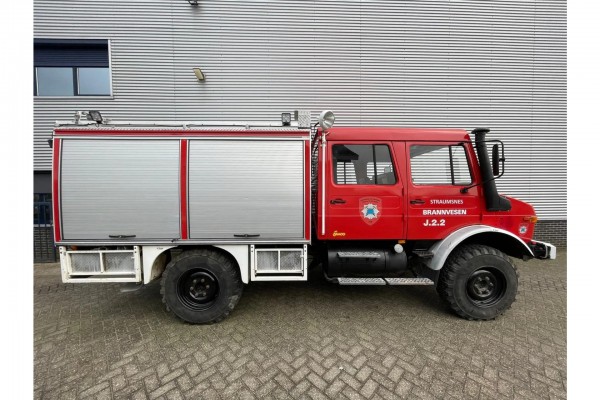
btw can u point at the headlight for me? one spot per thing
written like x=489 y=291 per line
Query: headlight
x=326 y=120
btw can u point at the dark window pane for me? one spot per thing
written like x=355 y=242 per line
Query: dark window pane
x=55 y=81
x=47 y=214
x=70 y=53
x=94 y=81
x=42 y=208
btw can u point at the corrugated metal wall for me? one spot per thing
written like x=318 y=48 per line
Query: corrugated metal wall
x=464 y=64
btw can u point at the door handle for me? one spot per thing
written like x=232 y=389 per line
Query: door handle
x=338 y=201
x=417 y=201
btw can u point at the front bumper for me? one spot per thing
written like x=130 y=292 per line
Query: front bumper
x=543 y=250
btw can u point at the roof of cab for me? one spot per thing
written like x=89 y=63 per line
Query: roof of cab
x=392 y=133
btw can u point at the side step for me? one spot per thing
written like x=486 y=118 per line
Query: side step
x=423 y=253
x=385 y=281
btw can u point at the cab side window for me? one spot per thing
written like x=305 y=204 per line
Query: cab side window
x=439 y=165
x=363 y=165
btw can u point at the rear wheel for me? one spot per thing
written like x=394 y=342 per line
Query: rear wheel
x=201 y=286
x=478 y=282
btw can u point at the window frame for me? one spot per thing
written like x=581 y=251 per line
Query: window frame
x=109 y=96
x=451 y=164
x=333 y=169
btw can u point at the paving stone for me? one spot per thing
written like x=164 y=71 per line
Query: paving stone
x=369 y=388
x=403 y=388
x=304 y=341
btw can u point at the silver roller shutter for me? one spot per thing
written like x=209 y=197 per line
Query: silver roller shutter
x=120 y=187
x=241 y=187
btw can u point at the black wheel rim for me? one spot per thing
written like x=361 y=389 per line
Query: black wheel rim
x=197 y=289
x=486 y=287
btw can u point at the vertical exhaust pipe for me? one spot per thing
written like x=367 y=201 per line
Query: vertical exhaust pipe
x=493 y=201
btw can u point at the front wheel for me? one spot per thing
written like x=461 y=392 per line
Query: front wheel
x=201 y=286
x=478 y=282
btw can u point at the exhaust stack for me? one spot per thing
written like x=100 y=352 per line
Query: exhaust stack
x=493 y=201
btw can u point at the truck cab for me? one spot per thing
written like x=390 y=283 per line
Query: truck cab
x=420 y=205
x=411 y=184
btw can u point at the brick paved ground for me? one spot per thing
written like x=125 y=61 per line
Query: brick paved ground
x=298 y=340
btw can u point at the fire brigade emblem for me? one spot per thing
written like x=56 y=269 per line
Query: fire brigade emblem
x=523 y=229
x=370 y=209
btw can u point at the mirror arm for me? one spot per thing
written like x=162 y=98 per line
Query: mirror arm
x=466 y=188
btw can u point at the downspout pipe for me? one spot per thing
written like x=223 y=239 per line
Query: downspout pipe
x=493 y=201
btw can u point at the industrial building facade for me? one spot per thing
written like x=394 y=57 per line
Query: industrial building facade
x=461 y=64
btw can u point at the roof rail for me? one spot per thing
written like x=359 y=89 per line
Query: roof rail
x=93 y=118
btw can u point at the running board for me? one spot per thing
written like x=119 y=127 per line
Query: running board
x=385 y=281
x=409 y=281
x=361 y=281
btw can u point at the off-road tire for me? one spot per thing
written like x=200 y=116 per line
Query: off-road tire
x=457 y=284
x=212 y=264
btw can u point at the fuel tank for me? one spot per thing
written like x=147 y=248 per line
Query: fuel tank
x=364 y=261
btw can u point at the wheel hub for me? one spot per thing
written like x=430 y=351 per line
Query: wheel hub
x=197 y=289
x=486 y=286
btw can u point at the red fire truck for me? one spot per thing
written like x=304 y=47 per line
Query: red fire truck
x=208 y=207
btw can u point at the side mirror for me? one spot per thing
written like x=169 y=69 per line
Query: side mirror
x=495 y=160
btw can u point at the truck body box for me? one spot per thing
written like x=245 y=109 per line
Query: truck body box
x=119 y=186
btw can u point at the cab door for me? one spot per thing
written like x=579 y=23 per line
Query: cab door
x=436 y=173
x=363 y=196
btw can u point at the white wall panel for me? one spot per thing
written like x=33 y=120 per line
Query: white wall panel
x=464 y=64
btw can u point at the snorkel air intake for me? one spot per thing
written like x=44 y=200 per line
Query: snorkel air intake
x=493 y=201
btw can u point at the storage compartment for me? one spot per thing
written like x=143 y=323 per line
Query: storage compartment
x=247 y=189
x=119 y=189
x=278 y=263
x=100 y=265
